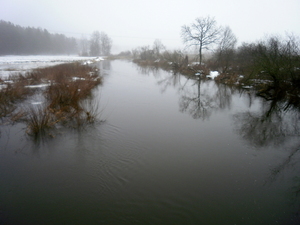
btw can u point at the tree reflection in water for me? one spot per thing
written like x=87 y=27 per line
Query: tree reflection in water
x=204 y=97
x=273 y=123
x=198 y=97
x=198 y=102
x=276 y=124
x=148 y=70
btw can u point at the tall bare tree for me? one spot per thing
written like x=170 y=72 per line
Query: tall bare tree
x=106 y=44
x=225 y=52
x=158 y=47
x=83 y=46
x=203 y=33
x=95 y=48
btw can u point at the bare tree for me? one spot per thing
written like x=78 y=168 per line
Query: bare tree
x=278 y=58
x=106 y=43
x=202 y=33
x=158 y=47
x=95 y=49
x=225 y=52
x=228 y=39
x=146 y=53
x=83 y=46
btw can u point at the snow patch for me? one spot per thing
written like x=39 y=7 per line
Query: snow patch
x=37 y=86
x=77 y=78
x=36 y=103
x=213 y=74
x=247 y=87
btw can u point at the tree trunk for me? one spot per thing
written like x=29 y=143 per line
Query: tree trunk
x=200 y=55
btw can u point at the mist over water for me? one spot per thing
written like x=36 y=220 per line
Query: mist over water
x=171 y=150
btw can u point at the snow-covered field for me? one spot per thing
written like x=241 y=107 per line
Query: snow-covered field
x=12 y=63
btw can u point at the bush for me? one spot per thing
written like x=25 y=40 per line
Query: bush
x=39 y=119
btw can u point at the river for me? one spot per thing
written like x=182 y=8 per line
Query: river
x=169 y=150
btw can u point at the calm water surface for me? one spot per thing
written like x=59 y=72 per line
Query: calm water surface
x=171 y=150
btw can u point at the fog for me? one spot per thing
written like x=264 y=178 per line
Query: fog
x=134 y=23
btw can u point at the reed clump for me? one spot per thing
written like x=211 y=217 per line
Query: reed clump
x=39 y=120
x=66 y=93
x=12 y=91
x=67 y=87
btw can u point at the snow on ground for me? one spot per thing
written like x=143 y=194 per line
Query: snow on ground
x=213 y=74
x=37 y=86
x=14 y=63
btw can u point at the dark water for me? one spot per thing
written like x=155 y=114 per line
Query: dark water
x=171 y=151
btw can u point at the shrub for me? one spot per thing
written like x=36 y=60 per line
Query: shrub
x=39 y=119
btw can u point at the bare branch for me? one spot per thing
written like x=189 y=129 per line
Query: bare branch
x=203 y=33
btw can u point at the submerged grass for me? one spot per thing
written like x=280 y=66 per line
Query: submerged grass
x=68 y=87
x=12 y=92
x=39 y=119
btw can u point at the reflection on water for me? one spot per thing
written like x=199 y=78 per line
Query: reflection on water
x=201 y=99
x=172 y=150
x=275 y=125
x=270 y=125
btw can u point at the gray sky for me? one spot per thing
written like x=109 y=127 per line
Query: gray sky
x=133 y=23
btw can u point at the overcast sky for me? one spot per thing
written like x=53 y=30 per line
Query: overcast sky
x=133 y=23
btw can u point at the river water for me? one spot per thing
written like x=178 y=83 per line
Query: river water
x=170 y=150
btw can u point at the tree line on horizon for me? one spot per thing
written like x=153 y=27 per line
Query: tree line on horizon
x=17 y=40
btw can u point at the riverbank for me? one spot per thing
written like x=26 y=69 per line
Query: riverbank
x=282 y=90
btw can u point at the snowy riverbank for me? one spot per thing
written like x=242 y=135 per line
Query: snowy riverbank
x=15 y=63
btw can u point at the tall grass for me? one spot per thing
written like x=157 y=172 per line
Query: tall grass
x=12 y=92
x=91 y=110
x=39 y=119
x=69 y=87
x=66 y=93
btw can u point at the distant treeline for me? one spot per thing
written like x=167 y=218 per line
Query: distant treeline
x=17 y=40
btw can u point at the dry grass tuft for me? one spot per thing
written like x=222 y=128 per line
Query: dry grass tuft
x=39 y=120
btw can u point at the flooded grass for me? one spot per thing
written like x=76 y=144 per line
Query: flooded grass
x=66 y=87
x=39 y=120
x=13 y=91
